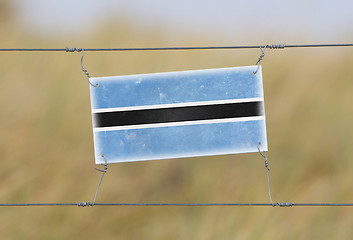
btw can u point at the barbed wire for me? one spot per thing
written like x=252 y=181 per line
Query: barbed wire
x=270 y=46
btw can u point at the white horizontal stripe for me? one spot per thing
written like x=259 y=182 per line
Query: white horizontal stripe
x=187 y=104
x=173 y=124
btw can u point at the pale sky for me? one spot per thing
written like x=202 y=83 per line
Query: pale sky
x=281 y=20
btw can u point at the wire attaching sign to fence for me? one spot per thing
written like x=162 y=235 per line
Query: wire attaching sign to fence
x=178 y=114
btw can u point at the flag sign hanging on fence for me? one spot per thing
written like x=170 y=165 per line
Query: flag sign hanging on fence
x=178 y=114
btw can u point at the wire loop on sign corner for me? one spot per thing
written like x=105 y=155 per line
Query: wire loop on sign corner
x=263 y=49
x=263 y=154
x=103 y=172
x=258 y=63
x=85 y=71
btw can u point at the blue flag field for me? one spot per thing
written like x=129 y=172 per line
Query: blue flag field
x=178 y=114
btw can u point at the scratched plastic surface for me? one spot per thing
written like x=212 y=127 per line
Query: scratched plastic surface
x=152 y=142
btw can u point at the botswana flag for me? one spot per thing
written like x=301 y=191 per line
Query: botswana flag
x=178 y=114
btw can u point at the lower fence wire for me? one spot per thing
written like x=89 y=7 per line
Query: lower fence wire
x=87 y=204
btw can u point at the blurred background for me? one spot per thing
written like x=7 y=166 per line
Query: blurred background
x=46 y=142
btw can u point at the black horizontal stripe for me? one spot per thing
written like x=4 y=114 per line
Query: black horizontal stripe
x=178 y=114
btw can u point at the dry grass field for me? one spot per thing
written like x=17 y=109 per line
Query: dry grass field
x=46 y=145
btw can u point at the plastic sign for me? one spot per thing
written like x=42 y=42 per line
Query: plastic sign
x=178 y=114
